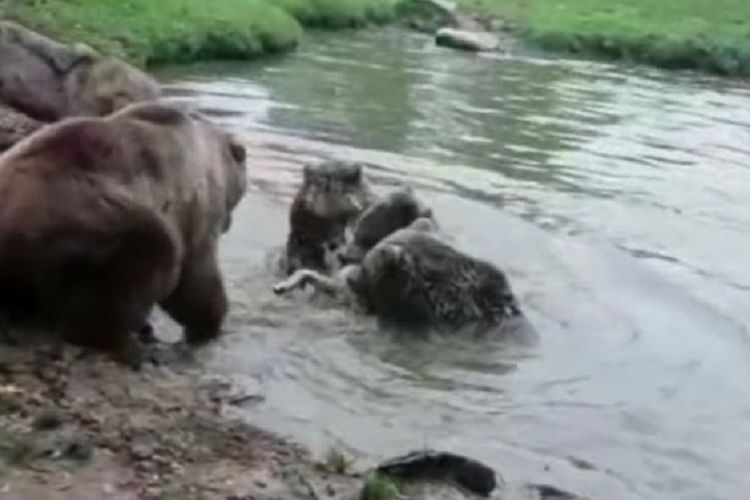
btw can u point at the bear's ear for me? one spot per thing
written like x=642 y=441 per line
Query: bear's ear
x=238 y=151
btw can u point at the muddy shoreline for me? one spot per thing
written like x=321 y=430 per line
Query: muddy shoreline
x=76 y=425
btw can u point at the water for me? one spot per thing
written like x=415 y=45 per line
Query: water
x=616 y=198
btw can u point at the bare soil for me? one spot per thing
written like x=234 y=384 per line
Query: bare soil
x=74 y=425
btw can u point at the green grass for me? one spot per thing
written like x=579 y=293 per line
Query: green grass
x=340 y=13
x=712 y=35
x=150 y=32
x=380 y=487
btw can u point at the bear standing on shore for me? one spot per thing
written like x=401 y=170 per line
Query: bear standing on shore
x=48 y=80
x=102 y=218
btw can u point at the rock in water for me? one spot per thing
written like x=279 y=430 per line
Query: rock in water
x=467 y=40
x=464 y=472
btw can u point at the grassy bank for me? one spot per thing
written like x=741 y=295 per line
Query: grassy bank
x=712 y=35
x=150 y=32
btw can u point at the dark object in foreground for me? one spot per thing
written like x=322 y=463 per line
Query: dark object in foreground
x=464 y=472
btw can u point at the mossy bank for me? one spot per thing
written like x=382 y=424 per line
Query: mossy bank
x=711 y=35
x=150 y=32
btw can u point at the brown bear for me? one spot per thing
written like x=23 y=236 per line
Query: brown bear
x=48 y=80
x=14 y=126
x=414 y=278
x=332 y=195
x=397 y=210
x=102 y=218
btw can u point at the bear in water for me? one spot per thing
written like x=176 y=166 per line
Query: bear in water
x=395 y=211
x=102 y=218
x=48 y=80
x=413 y=278
x=332 y=195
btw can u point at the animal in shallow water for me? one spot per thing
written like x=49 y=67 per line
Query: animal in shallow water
x=102 y=218
x=48 y=80
x=413 y=278
x=332 y=195
x=394 y=211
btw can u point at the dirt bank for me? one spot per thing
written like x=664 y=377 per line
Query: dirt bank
x=75 y=425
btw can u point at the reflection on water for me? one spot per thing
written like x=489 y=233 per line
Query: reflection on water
x=618 y=201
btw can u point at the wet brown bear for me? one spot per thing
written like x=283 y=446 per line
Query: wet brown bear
x=412 y=277
x=332 y=195
x=102 y=218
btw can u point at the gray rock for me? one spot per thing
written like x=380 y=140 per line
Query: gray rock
x=463 y=472
x=467 y=40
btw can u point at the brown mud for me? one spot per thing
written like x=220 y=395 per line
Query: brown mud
x=74 y=425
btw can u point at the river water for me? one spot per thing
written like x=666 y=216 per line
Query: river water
x=616 y=198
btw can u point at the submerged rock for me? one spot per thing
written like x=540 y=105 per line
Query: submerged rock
x=467 y=40
x=466 y=473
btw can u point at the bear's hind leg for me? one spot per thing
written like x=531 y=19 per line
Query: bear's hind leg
x=199 y=302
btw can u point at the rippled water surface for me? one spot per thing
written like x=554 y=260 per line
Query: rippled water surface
x=618 y=201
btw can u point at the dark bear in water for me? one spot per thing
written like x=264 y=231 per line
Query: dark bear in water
x=102 y=218
x=395 y=211
x=332 y=195
x=414 y=278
